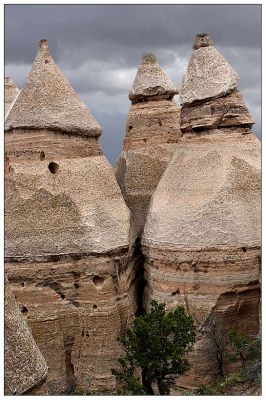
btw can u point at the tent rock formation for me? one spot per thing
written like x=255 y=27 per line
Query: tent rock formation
x=67 y=231
x=152 y=130
x=202 y=235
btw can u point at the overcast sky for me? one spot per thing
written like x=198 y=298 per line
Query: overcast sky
x=98 y=47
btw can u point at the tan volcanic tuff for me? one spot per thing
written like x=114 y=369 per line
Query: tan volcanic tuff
x=152 y=130
x=11 y=94
x=67 y=232
x=208 y=74
x=202 y=237
x=25 y=367
x=53 y=102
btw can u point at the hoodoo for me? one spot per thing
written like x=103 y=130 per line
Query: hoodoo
x=11 y=94
x=202 y=238
x=67 y=231
x=25 y=367
x=152 y=130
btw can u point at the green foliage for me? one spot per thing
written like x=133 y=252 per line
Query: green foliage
x=157 y=345
x=222 y=386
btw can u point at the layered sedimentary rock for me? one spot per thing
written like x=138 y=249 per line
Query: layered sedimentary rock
x=25 y=367
x=202 y=235
x=152 y=130
x=66 y=231
x=11 y=94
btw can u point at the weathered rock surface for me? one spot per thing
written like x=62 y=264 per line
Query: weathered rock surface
x=202 y=234
x=208 y=74
x=152 y=131
x=11 y=94
x=151 y=81
x=53 y=102
x=25 y=367
x=67 y=233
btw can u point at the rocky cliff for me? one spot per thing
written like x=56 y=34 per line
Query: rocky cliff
x=202 y=235
x=67 y=231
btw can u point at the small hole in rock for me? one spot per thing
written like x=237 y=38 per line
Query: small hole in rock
x=53 y=167
x=94 y=306
x=46 y=61
x=175 y=292
x=42 y=156
x=160 y=122
x=244 y=249
x=62 y=296
x=76 y=285
x=130 y=127
x=24 y=310
x=98 y=281
x=22 y=284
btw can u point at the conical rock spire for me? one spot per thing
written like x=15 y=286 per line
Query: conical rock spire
x=25 y=367
x=151 y=80
x=11 y=94
x=49 y=102
x=208 y=74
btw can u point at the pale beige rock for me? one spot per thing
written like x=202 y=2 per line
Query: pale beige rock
x=151 y=81
x=209 y=195
x=53 y=103
x=11 y=94
x=208 y=75
x=25 y=367
x=152 y=131
x=202 y=237
x=67 y=236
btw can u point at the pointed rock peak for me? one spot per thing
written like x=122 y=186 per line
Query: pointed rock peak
x=151 y=81
x=11 y=94
x=202 y=40
x=48 y=101
x=208 y=74
x=10 y=84
x=149 y=58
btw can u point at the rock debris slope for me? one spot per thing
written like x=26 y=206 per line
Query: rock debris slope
x=11 y=94
x=202 y=237
x=152 y=130
x=67 y=231
x=25 y=367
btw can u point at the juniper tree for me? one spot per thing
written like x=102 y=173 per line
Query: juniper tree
x=156 y=345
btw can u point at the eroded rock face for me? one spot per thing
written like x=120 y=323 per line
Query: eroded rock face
x=152 y=131
x=208 y=74
x=202 y=234
x=25 y=367
x=67 y=238
x=11 y=94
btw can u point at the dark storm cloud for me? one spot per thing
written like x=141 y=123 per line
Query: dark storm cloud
x=99 y=47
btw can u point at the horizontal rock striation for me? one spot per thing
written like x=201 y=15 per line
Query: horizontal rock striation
x=152 y=131
x=202 y=237
x=67 y=236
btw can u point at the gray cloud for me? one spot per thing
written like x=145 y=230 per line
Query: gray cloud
x=98 y=47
